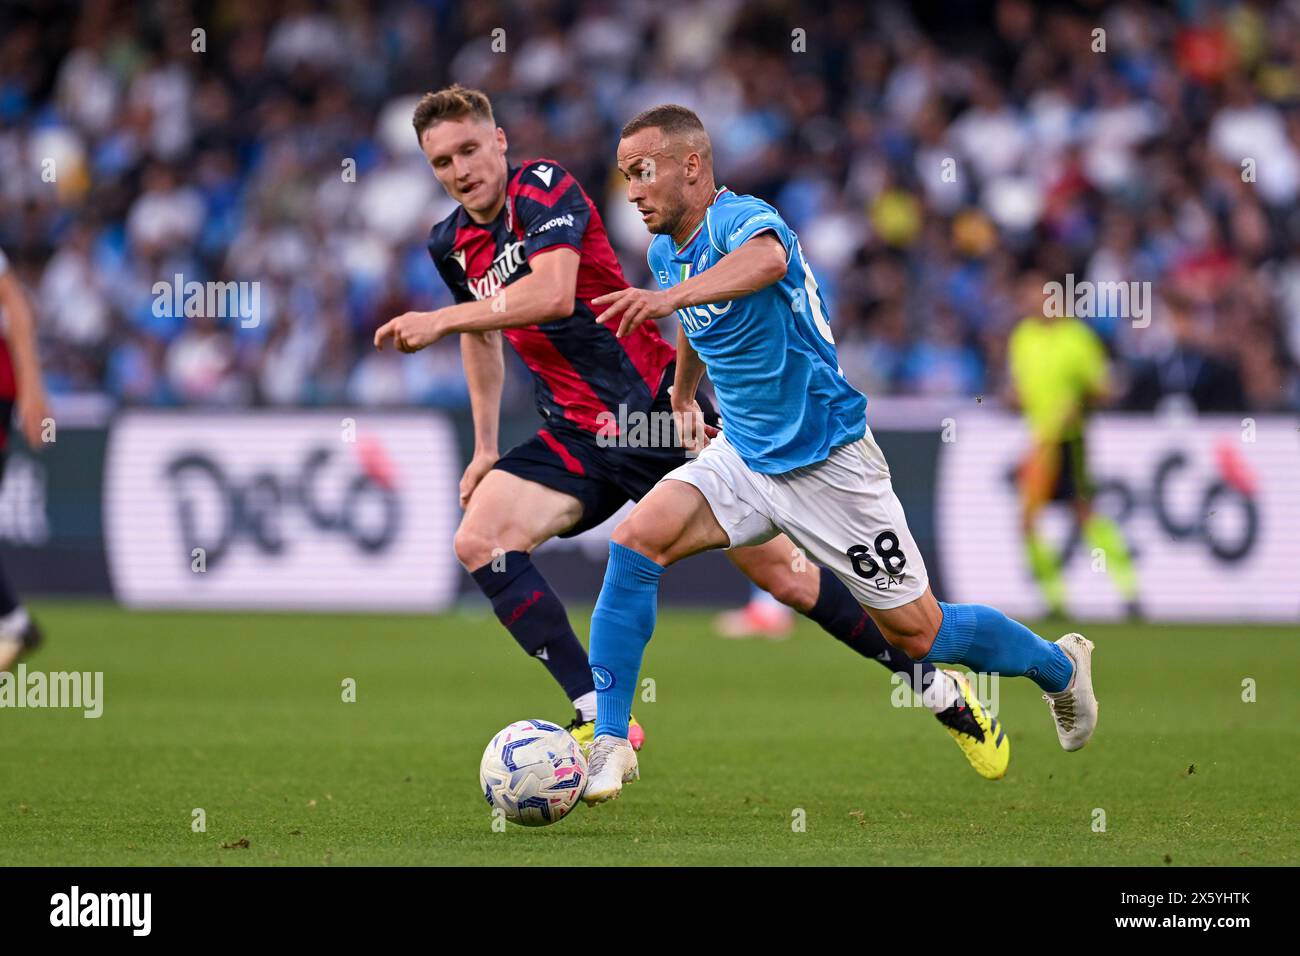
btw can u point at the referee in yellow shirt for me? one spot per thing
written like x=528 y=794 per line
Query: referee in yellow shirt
x=1059 y=373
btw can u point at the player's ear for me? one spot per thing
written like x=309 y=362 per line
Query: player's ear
x=692 y=166
x=501 y=140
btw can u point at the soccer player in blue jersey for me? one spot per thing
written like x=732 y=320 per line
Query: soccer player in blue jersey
x=794 y=455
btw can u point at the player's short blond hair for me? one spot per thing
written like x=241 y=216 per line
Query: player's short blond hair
x=454 y=102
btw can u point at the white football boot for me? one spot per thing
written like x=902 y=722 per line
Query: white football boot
x=1075 y=709
x=610 y=764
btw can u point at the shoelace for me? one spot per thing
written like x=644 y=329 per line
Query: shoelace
x=961 y=718
x=575 y=723
x=1063 y=710
x=599 y=754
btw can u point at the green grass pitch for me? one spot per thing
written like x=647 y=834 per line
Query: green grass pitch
x=243 y=716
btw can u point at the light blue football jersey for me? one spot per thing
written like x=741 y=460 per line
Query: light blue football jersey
x=771 y=357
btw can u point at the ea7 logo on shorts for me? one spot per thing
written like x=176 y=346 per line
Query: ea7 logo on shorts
x=544 y=173
x=603 y=679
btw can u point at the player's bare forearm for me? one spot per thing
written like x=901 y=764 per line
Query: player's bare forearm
x=1011 y=396
x=544 y=295
x=1102 y=393
x=481 y=353
x=689 y=373
x=530 y=301
x=695 y=432
x=754 y=266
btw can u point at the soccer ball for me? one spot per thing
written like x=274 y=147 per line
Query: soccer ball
x=533 y=772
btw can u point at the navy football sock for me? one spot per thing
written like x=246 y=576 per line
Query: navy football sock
x=8 y=600
x=838 y=613
x=535 y=618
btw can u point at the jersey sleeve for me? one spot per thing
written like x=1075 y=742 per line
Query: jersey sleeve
x=657 y=267
x=451 y=271
x=736 y=222
x=552 y=207
x=456 y=283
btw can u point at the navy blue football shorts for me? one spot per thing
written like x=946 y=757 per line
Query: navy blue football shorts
x=604 y=473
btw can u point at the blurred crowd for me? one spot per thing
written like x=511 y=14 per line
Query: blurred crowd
x=931 y=158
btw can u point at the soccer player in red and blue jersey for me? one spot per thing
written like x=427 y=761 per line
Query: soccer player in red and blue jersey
x=21 y=383
x=524 y=256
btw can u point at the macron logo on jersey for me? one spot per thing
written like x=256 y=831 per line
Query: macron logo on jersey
x=544 y=173
x=459 y=258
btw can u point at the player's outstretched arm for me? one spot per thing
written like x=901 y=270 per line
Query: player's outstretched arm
x=481 y=353
x=20 y=331
x=544 y=295
x=754 y=265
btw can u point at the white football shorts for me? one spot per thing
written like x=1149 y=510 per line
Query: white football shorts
x=842 y=512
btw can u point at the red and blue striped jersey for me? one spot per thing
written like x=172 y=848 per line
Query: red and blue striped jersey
x=579 y=367
x=8 y=383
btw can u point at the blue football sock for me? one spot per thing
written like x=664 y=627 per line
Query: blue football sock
x=986 y=640
x=621 y=627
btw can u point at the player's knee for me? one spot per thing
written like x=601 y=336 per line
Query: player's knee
x=794 y=590
x=916 y=646
x=473 y=548
x=915 y=641
x=640 y=536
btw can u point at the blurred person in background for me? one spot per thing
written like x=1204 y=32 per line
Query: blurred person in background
x=1187 y=372
x=920 y=143
x=1059 y=374
x=20 y=382
x=762 y=616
